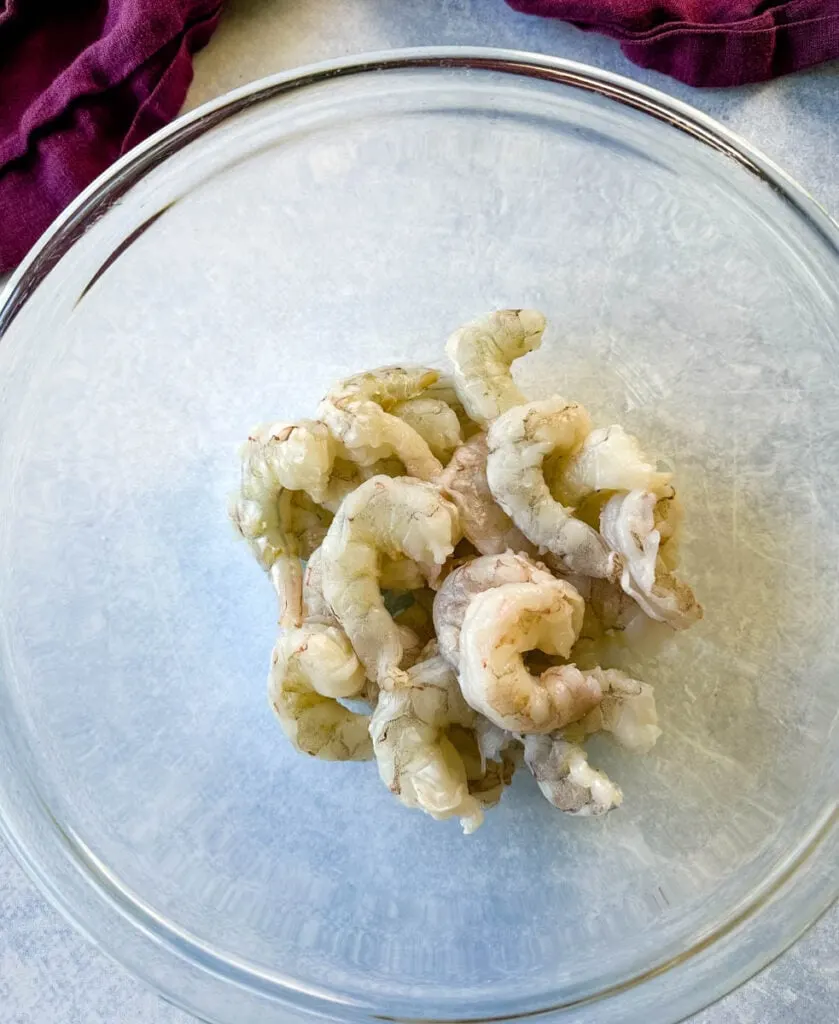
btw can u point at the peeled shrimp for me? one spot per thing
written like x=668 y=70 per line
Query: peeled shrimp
x=627 y=710
x=483 y=351
x=435 y=421
x=383 y=517
x=458 y=589
x=500 y=625
x=610 y=460
x=310 y=668
x=300 y=455
x=484 y=522
x=628 y=524
x=318 y=610
x=519 y=442
x=358 y=412
x=304 y=456
x=566 y=779
x=416 y=759
x=280 y=525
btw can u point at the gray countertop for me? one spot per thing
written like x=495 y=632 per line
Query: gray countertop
x=51 y=975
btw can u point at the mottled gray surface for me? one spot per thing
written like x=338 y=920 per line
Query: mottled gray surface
x=48 y=974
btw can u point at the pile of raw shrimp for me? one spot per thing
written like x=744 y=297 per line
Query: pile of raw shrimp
x=453 y=563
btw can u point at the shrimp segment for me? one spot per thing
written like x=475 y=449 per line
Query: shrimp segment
x=566 y=779
x=435 y=421
x=609 y=460
x=627 y=711
x=391 y=517
x=280 y=525
x=628 y=523
x=483 y=351
x=500 y=625
x=311 y=667
x=358 y=411
x=519 y=442
x=458 y=589
x=417 y=761
x=484 y=522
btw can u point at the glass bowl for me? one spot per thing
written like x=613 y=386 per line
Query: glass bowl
x=228 y=271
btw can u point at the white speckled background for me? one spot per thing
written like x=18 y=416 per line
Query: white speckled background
x=50 y=975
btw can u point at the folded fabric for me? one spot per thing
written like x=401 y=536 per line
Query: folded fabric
x=80 y=84
x=708 y=42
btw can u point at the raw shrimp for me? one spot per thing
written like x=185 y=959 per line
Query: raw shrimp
x=318 y=610
x=628 y=524
x=383 y=517
x=500 y=625
x=310 y=668
x=483 y=352
x=627 y=710
x=358 y=412
x=609 y=460
x=566 y=779
x=280 y=525
x=416 y=759
x=300 y=456
x=435 y=421
x=484 y=522
x=458 y=589
x=519 y=442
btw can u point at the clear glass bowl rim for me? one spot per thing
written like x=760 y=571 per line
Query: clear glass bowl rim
x=802 y=895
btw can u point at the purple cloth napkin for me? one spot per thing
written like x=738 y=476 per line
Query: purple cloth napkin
x=708 y=42
x=81 y=82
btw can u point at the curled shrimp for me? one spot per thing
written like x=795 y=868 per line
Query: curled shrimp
x=502 y=624
x=280 y=525
x=608 y=460
x=358 y=412
x=519 y=442
x=391 y=517
x=483 y=352
x=300 y=455
x=566 y=779
x=318 y=610
x=626 y=710
x=417 y=761
x=304 y=456
x=310 y=668
x=628 y=524
x=460 y=586
x=435 y=421
x=484 y=522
